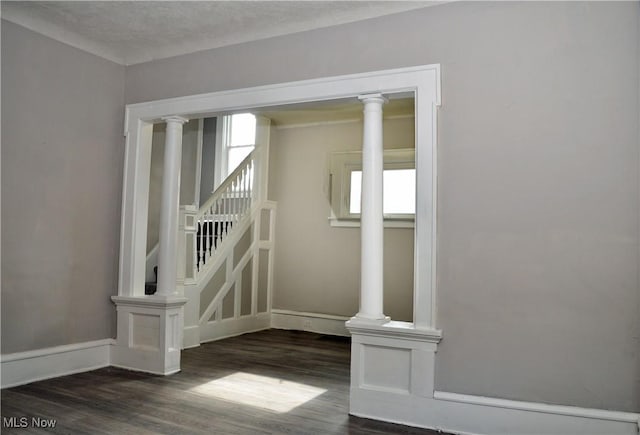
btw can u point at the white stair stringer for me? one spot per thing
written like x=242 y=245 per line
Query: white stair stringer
x=217 y=320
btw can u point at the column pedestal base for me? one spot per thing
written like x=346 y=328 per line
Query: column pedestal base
x=390 y=360
x=149 y=333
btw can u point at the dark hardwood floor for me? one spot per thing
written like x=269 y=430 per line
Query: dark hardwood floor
x=269 y=382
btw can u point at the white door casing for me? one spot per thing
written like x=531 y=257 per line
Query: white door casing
x=423 y=82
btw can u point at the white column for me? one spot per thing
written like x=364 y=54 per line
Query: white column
x=168 y=237
x=371 y=217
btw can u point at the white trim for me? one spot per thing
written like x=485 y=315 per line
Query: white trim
x=343 y=163
x=489 y=415
x=311 y=322
x=327 y=88
x=422 y=81
x=355 y=223
x=572 y=411
x=336 y=122
x=150 y=301
x=317 y=123
x=393 y=330
x=191 y=337
x=392 y=117
x=233 y=326
x=36 y=365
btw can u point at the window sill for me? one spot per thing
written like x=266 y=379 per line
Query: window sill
x=355 y=223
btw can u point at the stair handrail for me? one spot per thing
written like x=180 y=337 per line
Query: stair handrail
x=227 y=181
x=229 y=204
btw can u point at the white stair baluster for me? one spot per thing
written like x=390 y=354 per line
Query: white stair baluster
x=226 y=213
x=198 y=245
x=253 y=181
x=236 y=189
x=246 y=189
x=207 y=236
x=227 y=207
x=234 y=203
x=243 y=189
x=212 y=230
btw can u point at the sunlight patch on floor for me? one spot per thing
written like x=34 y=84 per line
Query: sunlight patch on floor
x=263 y=392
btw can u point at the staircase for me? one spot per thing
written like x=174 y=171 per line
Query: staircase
x=230 y=204
x=228 y=257
x=225 y=258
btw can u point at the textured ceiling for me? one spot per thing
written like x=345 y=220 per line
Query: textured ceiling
x=138 y=31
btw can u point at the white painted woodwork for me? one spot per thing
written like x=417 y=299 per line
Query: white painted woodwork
x=424 y=82
x=450 y=412
x=391 y=358
x=462 y=414
x=228 y=206
x=211 y=324
x=36 y=365
x=168 y=242
x=424 y=295
x=226 y=328
x=371 y=216
x=341 y=165
x=149 y=334
x=311 y=322
x=135 y=208
x=235 y=206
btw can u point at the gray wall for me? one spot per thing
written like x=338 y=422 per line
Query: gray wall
x=208 y=158
x=317 y=267
x=538 y=291
x=62 y=160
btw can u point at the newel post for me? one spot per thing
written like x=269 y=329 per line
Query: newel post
x=187 y=270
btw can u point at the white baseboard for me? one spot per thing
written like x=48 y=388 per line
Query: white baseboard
x=227 y=328
x=310 y=322
x=542 y=408
x=36 y=365
x=474 y=415
x=191 y=337
x=450 y=412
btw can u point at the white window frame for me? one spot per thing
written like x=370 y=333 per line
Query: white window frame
x=342 y=164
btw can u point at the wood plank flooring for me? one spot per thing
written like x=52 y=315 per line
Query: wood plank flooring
x=269 y=382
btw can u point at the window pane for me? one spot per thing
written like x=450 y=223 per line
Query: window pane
x=399 y=190
x=356 y=192
x=243 y=129
x=237 y=155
